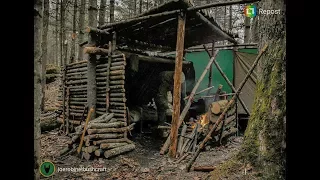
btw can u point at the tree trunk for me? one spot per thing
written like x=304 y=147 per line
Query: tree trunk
x=81 y=27
x=140 y=7
x=111 y=11
x=44 y=49
x=264 y=143
x=91 y=72
x=62 y=30
x=246 y=29
x=102 y=12
x=38 y=9
x=74 y=35
x=56 y=62
x=135 y=7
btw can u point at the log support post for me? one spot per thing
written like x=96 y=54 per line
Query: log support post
x=210 y=71
x=177 y=84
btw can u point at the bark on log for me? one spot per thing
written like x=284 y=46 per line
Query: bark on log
x=119 y=150
x=117 y=82
x=117 y=95
x=103 y=136
x=84 y=69
x=117 y=77
x=77 y=66
x=180 y=143
x=97 y=142
x=117 y=111
x=121 y=63
x=117 y=100
x=95 y=50
x=93 y=30
x=115 y=56
x=106 y=146
x=104 y=125
x=117 y=87
x=204 y=168
x=98 y=152
x=117 y=72
x=86 y=155
x=114 y=68
x=110 y=130
x=113 y=120
x=117 y=90
x=117 y=59
x=101 y=70
x=91 y=149
x=218 y=106
x=103 y=119
x=120 y=115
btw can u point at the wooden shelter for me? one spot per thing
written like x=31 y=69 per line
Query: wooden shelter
x=99 y=82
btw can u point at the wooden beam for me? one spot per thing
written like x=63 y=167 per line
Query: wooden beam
x=177 y=85
x=228 y=82
x=152 y=59
x=210 y=71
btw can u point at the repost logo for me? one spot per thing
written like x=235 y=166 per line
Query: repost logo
x=47 y=169
x=251 y=11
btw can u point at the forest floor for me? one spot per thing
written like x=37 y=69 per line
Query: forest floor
x=144 y=162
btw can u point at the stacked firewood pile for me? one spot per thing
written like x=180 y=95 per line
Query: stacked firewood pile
x=73 y=94
x=102 y=137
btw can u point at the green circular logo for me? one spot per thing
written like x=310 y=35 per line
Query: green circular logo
x=47 y=168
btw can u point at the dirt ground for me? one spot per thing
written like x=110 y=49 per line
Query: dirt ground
x=144 y=162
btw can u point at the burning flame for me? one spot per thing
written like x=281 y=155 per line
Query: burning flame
x=203 y=120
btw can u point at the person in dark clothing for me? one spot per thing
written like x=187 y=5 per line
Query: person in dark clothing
x=166 y=79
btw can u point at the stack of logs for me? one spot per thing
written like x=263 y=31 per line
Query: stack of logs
x=192 y=133
x=75 y=84
x=103 y=137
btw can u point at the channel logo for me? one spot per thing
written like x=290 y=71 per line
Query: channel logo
x=250 y=11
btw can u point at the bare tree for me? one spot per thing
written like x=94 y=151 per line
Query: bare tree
x=74 y=30
x=62 y=29
x=81 y=27
x=140 y=7
x=102 y=12
x=44 y=48
x=57 y=62
x=38 y=14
